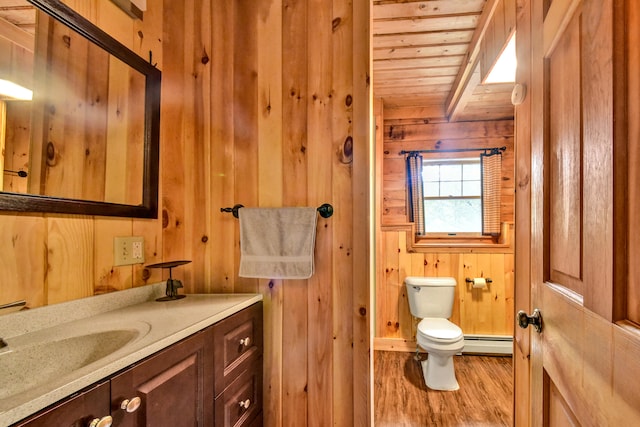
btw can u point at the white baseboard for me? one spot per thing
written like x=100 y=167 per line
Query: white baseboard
x=473 y=344
x=488 y=344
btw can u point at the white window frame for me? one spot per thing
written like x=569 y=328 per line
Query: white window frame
x=451 y=161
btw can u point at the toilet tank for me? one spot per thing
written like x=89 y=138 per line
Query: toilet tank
x=430 y=296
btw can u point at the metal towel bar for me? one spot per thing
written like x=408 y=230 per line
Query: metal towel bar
x=325 y=210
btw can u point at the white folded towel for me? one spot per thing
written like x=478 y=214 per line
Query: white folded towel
x=277 y=243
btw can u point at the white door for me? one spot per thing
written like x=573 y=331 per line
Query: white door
x=585 y=185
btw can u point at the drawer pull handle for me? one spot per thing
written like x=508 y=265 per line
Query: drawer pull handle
x=245 y=341
x=102 y=422
x=245 y=403
x=131 y=405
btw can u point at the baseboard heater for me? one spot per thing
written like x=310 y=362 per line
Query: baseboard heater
x=488 y=344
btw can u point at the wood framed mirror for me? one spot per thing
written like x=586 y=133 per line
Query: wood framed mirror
x=88 y=141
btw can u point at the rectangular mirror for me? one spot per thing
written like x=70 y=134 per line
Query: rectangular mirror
x=87 y=142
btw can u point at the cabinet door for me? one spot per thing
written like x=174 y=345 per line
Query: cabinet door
x=175 y=387
x=77 y=411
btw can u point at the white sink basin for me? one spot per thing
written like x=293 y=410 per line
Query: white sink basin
x=57 y=350
x=27 y=365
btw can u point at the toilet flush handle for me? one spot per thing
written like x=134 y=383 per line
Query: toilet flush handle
x=525 y=320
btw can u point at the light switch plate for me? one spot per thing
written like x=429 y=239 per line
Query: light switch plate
x=128 y=250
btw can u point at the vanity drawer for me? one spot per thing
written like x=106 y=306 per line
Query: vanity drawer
x=241 y=402
x=238 y=343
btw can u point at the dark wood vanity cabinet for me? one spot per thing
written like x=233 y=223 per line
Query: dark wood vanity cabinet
x=238 y=368
x=212 y=378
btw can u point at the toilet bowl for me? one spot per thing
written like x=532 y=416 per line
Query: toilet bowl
x=431 y=299
x=441 y=340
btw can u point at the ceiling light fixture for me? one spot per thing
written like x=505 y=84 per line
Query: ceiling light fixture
x=504 y=70
x=15 y=91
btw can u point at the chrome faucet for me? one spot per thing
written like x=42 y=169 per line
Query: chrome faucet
x=20 y=303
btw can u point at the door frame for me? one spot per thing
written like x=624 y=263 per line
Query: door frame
x=522 y=251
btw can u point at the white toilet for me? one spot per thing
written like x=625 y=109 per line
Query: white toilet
x=431 y=299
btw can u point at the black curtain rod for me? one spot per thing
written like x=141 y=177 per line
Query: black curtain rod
x=495 y=150
x=325 y=210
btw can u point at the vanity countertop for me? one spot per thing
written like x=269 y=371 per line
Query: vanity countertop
x=153 y=325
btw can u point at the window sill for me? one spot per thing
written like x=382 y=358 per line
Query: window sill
x=455 y=244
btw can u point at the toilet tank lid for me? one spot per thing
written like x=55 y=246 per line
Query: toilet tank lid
x=429 y=281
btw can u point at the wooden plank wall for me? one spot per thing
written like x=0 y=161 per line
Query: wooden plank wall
x=413 y=134
x=75 y=163
x=484 y=312
x=264 y=104
x=487 y=311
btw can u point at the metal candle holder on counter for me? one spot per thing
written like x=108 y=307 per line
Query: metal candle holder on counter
x=172 y=284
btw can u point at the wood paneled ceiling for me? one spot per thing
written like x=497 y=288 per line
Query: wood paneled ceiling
x=18 y=13
x=426 y=56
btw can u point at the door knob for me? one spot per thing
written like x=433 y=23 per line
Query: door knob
x=535 y=319
x=102 y=422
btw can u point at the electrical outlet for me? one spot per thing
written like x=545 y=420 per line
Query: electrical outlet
x=137 y=250
x=128 y=250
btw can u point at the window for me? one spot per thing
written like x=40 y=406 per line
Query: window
x=462 y=195
x=452 y=195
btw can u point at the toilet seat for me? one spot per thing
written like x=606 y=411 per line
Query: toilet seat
x=438 y=330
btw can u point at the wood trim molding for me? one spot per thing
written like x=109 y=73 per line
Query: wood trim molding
x=504 y=245
x=403 y=226
x=466 y=94
x=558 y=17
x=464 y=75
x=129 y=8
x=16 y=35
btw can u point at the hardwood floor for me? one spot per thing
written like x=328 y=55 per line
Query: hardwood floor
x=401 y=398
